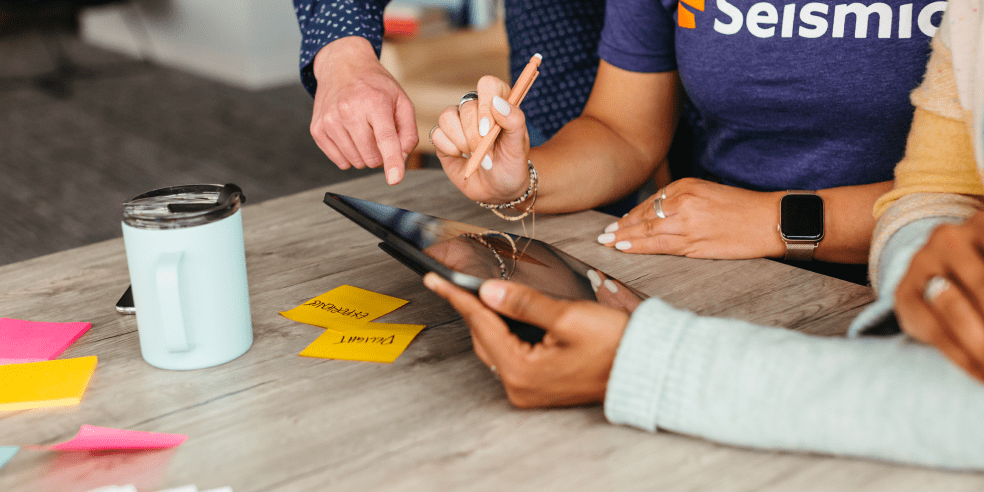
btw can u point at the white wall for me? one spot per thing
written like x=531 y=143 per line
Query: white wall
x=252 y=44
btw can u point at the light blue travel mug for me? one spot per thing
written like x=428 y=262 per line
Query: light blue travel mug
x=184 y=250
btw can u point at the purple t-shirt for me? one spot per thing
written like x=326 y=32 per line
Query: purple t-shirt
x=790 y=95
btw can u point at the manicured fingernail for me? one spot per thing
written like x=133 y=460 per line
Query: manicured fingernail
x=611 y=286
x=431 y=280
x=595 y=280
x=501 y=106
x=624 y=216
x=393 y=176
x=623 y=245
x=612 y=227
x=487 y=163
x=483 y=126
x=405 y=155
x=606 y=238
x=466 y=155
x=492 y=293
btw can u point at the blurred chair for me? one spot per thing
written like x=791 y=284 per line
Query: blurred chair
x=39 y=16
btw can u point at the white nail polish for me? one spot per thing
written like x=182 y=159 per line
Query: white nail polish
x=623 y=245
x=501 y=106
x=483 y=126
x=612 y=227
x=595 y=280
x=606 y=238
x=487 y=163
x=466 y=155
x=611 y=286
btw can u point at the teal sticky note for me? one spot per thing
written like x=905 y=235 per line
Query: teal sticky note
x=7 y=452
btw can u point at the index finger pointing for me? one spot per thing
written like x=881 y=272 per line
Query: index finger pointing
x=388 y=141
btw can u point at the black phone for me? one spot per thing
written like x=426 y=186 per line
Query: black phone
x=125 y=304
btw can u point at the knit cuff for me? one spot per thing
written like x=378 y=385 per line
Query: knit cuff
x=911 y=208
x=645 y=354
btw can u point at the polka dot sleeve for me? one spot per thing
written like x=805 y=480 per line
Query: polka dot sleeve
x=322 y=22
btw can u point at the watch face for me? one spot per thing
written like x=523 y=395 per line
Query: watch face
x=801 y=217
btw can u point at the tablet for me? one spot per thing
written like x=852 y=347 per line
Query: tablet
x=467 y=255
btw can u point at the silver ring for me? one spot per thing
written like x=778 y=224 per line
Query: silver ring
x=430 y=135
x=469 y=96
x=934 y=288
x=662 y=193
x=658 y=206
x=495 y=371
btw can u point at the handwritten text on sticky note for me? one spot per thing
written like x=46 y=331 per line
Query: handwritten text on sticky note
x=45 y=384
x=343 y=304
x=373 y=342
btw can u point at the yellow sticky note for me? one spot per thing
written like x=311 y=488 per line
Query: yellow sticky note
x=45 y=384
x=372 y=342
x=343 y=304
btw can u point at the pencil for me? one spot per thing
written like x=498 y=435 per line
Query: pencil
x=516 y=95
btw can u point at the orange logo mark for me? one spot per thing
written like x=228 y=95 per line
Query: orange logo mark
x=685 y=18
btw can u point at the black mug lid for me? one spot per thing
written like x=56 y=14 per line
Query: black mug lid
x=177 y=207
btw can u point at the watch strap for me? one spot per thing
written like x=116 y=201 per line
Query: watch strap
x=800 y=251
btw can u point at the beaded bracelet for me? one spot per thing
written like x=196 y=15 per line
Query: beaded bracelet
x=531 y=190
x=504 y=273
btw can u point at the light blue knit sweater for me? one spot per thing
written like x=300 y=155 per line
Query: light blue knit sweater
x=735 y=382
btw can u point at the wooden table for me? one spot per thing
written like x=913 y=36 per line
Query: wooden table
x=433 y=420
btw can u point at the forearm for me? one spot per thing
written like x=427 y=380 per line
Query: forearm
x=611 y=149
x=770 y=388
x=848 y=223
x=586 y=164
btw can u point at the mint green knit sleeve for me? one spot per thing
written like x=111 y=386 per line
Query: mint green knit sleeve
x=763 y=387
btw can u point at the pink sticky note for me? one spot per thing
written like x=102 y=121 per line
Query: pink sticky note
x=32 y=341
x=92 y=438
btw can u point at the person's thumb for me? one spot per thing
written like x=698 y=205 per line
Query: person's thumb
x=521 y=303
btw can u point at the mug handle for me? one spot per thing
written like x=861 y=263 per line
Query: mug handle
x=175 y=335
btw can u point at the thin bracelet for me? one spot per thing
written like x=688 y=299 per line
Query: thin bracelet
x=531 y=190
x=504 y=274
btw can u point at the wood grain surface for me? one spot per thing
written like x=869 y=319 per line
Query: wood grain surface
x=433 y=420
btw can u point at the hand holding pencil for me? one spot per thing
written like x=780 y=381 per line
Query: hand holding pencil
x=489 y=132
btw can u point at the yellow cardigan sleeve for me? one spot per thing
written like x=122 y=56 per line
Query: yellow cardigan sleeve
x=939 y=154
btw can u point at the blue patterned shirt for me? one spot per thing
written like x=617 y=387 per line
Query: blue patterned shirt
x=565 y=32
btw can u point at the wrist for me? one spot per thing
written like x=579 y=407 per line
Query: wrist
x=524 y=203
x=775 y=247
x=350 y=51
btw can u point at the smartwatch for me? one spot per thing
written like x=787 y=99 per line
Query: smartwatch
x=801 y=224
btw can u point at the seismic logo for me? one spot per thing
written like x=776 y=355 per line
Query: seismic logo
x=685 y=18
x=814 y=20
